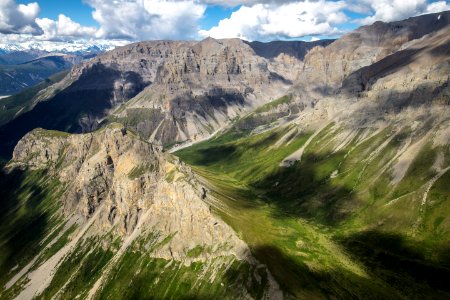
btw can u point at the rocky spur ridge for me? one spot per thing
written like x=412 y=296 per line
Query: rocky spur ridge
x=127 y=195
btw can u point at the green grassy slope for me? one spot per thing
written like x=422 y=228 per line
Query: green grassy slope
x=333 y=223
x=30 y=224
x=139 y=275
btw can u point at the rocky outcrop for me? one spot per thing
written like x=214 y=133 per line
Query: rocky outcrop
x=168 y=91
x=198 y=88
x=118 y=178
x=325 y=68
x=424 y=59
x=117 y=185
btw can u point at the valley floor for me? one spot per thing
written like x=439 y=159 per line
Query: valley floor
x=333 y=223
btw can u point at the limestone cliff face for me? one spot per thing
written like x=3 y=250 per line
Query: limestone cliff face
x=183 y=67
x=127 y=196
x=371 y=73
x=167 y=91
x=326 y=68
x=119 y=180
x=406 y=93
x=196 y=87
x=414 y=79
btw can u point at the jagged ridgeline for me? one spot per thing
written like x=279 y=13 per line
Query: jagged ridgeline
x=226 y=169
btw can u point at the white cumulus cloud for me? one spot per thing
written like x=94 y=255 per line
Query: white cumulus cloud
x=288 y=20
x=232 y=3
x=134 y=20
x=64 y=28
x=395 y=10
x=19 y=18
x=147 y=19
x=437 y=7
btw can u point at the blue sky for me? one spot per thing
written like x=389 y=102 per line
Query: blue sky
x=75 y=9
x=215 y=13
x=131 y=20
x=80 y=12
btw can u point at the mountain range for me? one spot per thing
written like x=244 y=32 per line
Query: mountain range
x=226 y=169
x=74 y=47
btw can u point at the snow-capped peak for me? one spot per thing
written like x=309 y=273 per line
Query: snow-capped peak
x=77 y=47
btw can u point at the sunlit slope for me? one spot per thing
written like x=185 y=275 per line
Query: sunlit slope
x=360 y=212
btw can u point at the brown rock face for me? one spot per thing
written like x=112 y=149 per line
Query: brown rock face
x=326 y=68
x=168 y=91
x=117 y=187
x=197 y=87
x=119 y=181
x=186 y=66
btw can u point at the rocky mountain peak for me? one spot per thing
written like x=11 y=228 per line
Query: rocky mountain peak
x=325 y=68
x=211 y=80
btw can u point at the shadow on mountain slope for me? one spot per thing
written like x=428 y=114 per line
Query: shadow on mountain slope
x=394 y=101
x=75 y=109
x=22 y=102
x=24 y=218
x=394 y=269
x=249 y=181
x=209 y=156
x=365 y=77
x=401 y=262
x=299 y=281
x=441 y=50
x=294 y=278
x=304 y=190
x=297 y=49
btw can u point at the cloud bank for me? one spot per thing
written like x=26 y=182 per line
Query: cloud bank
x=277 y=21
x=394 y=10
x=18 y=19
x=132 y=20
x=147 y=19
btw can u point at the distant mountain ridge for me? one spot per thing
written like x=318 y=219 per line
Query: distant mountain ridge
x=184 y=91
x=190 y=88
x=74 y=47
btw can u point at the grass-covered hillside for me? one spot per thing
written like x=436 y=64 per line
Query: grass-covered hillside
x=363 y=213
x=31 y=230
